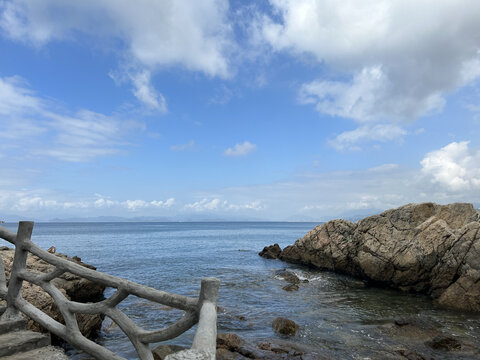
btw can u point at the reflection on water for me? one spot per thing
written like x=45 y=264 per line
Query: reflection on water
x=336 y=313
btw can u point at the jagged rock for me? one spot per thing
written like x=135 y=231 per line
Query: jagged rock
x=235 y=344
x=291 y=287
x=271 y=252
x=284 y=326
x=71 y=286
x=288 y=276
x=229 y=341
x=161 y=351
x=423 y=248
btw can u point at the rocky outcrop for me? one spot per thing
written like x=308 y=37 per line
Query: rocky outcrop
x=271 y=252
x=423 y=248
x=72 y=287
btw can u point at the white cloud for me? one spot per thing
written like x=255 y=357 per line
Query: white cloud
x=145 y=92
x=367 y=98
x=46 y=130
x=203 y=205
x=350 y=140
x=141 y=204
x=148 y=35
x=183 y=147
x=388 y=60
x=217 y=204
x=449 y=174
x=132 y=205
x=242 y=149
x=455 y=167
x=25 y=203
x=29 y=201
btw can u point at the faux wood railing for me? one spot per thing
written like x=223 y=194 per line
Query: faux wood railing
x=201 y=310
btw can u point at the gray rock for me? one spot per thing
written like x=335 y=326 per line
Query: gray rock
x=289 y=276
x=271 y=252
x=71 y=286
x=291 y=287
x=161 y=351
x=424 y=248
x=232 y=347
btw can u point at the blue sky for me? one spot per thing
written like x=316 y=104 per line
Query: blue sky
x=273 y=110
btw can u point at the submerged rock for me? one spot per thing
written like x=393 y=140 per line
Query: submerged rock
x=284 y=326
x=424 y=248
x=446 y=343
x=71 y=286
x=291 y=287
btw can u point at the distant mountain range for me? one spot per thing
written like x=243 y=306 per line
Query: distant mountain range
x=352 y=216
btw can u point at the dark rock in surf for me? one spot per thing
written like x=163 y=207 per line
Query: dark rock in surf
x=271 y=252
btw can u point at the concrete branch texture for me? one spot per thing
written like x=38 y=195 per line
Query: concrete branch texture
x=201 y=310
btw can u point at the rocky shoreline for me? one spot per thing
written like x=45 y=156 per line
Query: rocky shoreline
x=72 y=287
x=420 y=248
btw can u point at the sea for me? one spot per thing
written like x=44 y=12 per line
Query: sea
x=335 y=313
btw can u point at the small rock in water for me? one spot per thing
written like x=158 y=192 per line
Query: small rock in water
x=284 y=326
x=402 y=322
x=291 y=287
x=446 y=343
x=271 y=252
x=288 y=276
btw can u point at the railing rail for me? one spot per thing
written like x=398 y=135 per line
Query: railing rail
x=201 y=310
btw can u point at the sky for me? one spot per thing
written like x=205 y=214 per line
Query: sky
x=283 y=110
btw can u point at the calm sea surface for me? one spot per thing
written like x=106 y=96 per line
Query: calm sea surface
x=333 y=313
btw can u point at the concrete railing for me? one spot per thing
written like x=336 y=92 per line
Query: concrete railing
x=201 y=310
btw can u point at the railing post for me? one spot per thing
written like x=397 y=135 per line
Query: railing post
x=14 y=292
x=206 y=336
x=3 y=279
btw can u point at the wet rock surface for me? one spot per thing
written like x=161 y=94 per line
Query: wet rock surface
x=284 y=326
x=232 y=347
x=422 y=248
x=71 y=286
x=417 y=338
x=161 y=351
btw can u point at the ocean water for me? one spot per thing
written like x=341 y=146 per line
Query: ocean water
x=333 y=312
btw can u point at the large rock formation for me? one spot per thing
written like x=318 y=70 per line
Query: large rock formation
x=72 y=287
x=424 y=248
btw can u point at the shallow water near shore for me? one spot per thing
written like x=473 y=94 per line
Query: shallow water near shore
x=335 y=313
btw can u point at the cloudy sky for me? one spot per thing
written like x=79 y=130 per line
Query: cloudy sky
x=275 y=110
